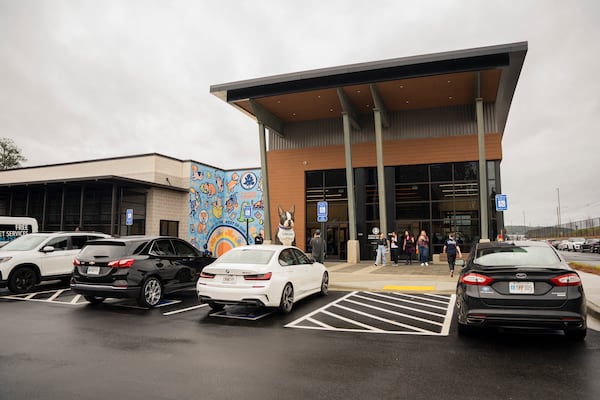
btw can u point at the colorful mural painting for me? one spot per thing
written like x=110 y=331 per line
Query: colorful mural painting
x=217 y=200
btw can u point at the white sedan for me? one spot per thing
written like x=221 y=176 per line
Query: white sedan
x=261 y=275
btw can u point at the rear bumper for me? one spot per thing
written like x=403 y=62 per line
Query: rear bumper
x=106 y=290
x=247 y=302
x=525 y=319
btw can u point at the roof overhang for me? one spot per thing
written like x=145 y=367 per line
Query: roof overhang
x=419 y=82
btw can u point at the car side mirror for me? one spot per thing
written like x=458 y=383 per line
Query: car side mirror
x=48 y=249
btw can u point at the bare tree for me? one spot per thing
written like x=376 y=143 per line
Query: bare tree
x=10 y=154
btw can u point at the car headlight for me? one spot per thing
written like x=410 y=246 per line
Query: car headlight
x=3 y=259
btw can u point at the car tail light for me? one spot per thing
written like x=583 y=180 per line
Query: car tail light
x=476 y=279
x=206 y=275
x=123 y=263
x=567 y=280
x=258 y=277
x=76 y=262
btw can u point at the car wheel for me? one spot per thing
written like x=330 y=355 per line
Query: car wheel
x=287 y=299
x=94 y=299
x=151 y=292
x=577 y=335
x=216 y=306
x=324 y=284
x=22 y=280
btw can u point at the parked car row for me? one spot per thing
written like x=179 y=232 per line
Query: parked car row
x=146 y=268
x=577 y=244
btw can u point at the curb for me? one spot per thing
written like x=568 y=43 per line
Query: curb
x=593 y=309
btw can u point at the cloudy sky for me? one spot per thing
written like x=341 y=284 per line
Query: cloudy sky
x=83 y=79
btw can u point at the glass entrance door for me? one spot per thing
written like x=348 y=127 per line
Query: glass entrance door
x=336 y=239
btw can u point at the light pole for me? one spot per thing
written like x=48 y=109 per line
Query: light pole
x=558 y=211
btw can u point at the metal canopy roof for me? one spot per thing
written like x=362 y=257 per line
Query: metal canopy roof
x=428 y=81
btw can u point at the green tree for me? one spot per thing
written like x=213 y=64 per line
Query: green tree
x=10 y=154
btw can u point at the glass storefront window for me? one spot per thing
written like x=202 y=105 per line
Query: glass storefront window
x=412 y=173
x=412 y=210
x=414 y=192
x=441 y=172
x=466 y=171
x=314 y=179
x=335 y=177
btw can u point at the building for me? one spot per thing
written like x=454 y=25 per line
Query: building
x=419 y=139
x=164 y=195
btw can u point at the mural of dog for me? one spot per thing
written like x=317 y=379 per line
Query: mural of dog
x=285 y=233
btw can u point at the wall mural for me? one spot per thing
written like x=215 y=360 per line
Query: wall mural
x=217 y=200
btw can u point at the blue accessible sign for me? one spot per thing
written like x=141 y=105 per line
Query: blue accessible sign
x=501 y=202
x=322 y=211
x=129 y=217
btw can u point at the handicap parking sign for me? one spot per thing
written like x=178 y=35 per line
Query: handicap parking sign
x=501 y=202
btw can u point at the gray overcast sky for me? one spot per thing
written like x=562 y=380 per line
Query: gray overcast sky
x=82 y=79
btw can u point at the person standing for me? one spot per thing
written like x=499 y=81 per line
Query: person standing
x=451 y=248
x=382 y=246
x=423 y=245
x=394 y=248
x=316 y=246
x=409 y=246
x=258 y=239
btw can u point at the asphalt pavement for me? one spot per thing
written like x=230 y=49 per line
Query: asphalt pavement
x=434 y=278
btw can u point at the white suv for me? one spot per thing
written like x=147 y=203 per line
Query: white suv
x=35 y=257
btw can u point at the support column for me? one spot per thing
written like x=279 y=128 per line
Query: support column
x=483 y=195
x=352 y=247
x=265 y=177
x=380 y=171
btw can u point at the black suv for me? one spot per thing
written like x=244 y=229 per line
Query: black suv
x=140 y=267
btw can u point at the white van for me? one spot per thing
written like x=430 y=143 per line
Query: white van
x=13 y=227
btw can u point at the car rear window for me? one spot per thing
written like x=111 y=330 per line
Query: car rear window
x=516 y=256
x=110 y=249
x=247 y=256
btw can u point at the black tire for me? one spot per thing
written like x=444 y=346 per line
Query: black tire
x=94 y=299
x=216 y=306
x=22 y=280
x=287 y=299
x=324 y=284
x=576 y=335
x=151 y=292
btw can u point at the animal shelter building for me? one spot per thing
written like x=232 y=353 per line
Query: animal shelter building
x=403 y=144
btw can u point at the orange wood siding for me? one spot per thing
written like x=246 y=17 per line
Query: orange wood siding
x=287 y=168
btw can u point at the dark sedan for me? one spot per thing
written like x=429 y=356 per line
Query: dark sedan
x=140 y=267
x=520 y=285
x=590 y=245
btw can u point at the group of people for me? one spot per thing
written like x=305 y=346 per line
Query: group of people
x=408 y=245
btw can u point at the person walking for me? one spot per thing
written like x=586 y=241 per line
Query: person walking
x=394 y=248
x=423 y=245
x=382 y=246
x=316 y=246
x=409 y=246
x=451 y=248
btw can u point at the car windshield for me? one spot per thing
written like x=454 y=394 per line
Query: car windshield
x=24 y=243
x=110 y=249
x=247 y=256
x=516 y=256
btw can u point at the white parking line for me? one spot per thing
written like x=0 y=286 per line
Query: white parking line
x=185 y=309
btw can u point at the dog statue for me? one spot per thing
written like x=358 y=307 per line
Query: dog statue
x=285 y=233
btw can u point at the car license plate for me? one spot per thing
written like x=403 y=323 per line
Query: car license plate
x=93 y=270
x=229 y=279
x=521 y=288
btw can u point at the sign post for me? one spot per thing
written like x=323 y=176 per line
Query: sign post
x=129 y=219
x=322 y=210
x=247 y=215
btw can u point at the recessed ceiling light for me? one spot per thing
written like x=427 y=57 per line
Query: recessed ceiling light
x=319 y=96
x=331 y=110
x=406 y=101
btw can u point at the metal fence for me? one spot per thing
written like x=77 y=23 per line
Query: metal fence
x=585 y=228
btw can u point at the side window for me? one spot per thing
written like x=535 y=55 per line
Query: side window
x=183 y=249
x=162 y=248
x=77 y=242
x=302 y=258
x=59 y=243
x=287 y=257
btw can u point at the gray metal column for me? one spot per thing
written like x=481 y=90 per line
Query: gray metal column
x=349 y=177
x=483 y=195
x=265 y=177
x=380 y=171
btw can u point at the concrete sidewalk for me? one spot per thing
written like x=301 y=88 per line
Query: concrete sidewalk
x=434 y=278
